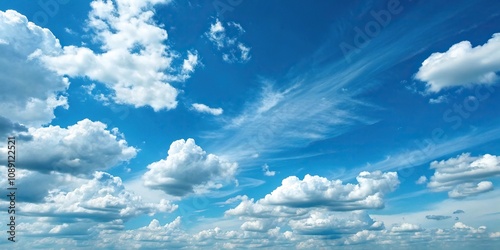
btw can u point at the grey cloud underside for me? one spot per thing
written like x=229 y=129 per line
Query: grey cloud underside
x=437 y=217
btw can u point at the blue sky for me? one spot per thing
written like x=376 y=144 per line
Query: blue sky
x=233 y=124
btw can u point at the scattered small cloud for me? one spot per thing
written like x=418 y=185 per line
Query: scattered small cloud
x=437 y=217
x=421 y=180
x=439 y=99
x=225 y=38
x=202 y=108
x=267 y=172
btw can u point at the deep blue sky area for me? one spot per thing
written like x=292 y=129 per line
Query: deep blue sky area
x=235 y=124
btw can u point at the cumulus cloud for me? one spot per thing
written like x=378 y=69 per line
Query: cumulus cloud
x=256 y=225
x=470 y=189
x=360 y=237
x=256 y=209
x=461 y=226
x=406 y=228
x=326 y=223
x=186 y=168
x=225 y=38
x=437 y=217
x=267 y=172
x=10 y=128
x=459 y=211
x=464 y=175
x=202 y=108
x=78 y=149
x=29 y=91
x=421 y=180
x=45 y=182
x=133 y=60
x=102 y=198
x=315 y=191
x=462 y=65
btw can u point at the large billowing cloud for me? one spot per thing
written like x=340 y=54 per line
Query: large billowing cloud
x=333 y=194
x=188 y=168
x=464 y=175
x=79 y=149
x=102 y=198
x=462 y=65
x=29 y=92
x=133 y=60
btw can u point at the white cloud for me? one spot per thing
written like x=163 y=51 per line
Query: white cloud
x=405 y=228
x=318 y=191
x=321 y=222
x=421 y=180
x=190 y=63
x=267 y=172
x=462 y=226
x=462 y=65
x=470 y=189
x=256 y=226
x=29 y=92
x=438 y=100
x=226 y=41
x=102 y=198
x=251 y=209
x=45 y=182
x=202 y=108
x=186 y=168
x=134 y=62
x=79 y=149
x=464 y=175
x=361 y=237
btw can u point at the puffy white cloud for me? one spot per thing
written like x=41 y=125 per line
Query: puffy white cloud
x=202 y=108
x=249 y=208
x=470 y=189
x=464 y=175
x=462 y=65
x=29 y=91
x=320 y=222
x=79 y=149
x=360 y=237
x=406 y=228
x=461 y=226
x=186 y=168
x=225 y=38
x=102 y=198
x=421 y=180
x=267 y=172
x=133 y=61
x=316 y=191
x=256 y=225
